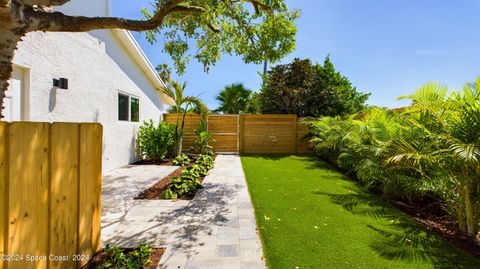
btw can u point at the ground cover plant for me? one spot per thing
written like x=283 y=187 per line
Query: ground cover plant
x=184 y=182
x=114 y=257
x=426 y=153
x=311 y=216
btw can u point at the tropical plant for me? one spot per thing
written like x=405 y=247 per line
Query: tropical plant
x=309 y=90
x=181 y=160
x=155 y=142
x=233 y=99
x=203 y=143
x=182 y=104
x=429 y=150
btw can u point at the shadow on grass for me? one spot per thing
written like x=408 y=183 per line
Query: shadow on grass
x=398 y=237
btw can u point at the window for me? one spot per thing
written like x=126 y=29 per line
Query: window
x=128 y=108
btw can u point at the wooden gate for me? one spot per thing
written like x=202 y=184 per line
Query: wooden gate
x=225 y=132
x=50 y=194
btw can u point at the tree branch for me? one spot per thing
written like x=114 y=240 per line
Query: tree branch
x=59 y=22
x=48 y=3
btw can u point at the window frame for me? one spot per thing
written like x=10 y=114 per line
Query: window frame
x=130 y=97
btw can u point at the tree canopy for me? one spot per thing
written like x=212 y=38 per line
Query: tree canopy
x=309 y=90
x=256 y=30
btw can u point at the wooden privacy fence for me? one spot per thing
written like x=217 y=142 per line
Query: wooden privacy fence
x=267 y=134
x=50 y=194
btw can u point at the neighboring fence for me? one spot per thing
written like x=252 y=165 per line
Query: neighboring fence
x=268 y=134
x=50 y=193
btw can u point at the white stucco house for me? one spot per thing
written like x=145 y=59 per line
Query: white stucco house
x=110 y=81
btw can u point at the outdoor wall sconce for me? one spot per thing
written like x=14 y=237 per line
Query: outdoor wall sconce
x=61 y=83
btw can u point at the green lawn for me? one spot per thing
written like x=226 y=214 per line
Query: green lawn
x=311 y=216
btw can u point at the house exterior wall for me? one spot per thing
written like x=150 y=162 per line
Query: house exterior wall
x=98 y=68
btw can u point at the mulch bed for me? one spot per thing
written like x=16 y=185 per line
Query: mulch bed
x=434 y=218
x=101 y=256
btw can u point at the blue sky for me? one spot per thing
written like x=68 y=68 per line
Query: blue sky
x=386 y=47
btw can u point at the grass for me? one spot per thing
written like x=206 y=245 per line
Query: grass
x=311 y=216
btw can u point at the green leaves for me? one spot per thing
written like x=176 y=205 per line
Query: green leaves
x=118 y=257
x=256 y=30
x=233 y=99
x=181 y=160
x=188 y=184
x=155 y=142
x=309 y=90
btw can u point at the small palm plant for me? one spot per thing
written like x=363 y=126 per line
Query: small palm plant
x=182 y=104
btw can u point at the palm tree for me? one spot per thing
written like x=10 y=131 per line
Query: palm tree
x=233 y=99
x=450 y=125
x=183 y=104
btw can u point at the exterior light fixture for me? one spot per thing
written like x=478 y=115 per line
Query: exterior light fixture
x=61 y=83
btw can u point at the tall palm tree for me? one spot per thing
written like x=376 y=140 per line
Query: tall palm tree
x=176 y=91
x=233 y=99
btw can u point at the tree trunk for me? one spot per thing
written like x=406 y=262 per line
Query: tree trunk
x=9 y=38
x=469 y=211
x=181 y=132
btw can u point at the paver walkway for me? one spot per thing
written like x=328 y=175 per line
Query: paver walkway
x=214 y=230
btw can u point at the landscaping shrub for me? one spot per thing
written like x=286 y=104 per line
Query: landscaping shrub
x=202 y=144
x=156 y=142
x=181 y=160
x=189 y=182
x=118 y=257
x=428 y=150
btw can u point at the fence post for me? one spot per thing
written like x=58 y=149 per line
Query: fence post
x=240 y=133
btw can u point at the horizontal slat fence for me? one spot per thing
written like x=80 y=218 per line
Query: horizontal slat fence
x=50 y=191
x=267 y=134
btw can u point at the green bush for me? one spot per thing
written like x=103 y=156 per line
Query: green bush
x=119 y=258
x=181 y=160
x=155 y=142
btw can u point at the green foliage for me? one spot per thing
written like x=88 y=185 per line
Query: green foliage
x=155 y=142
x=202 y=144
x=183 y=104
x=253 y=104
x=182 y=187
x=309 y=90
x=189 y=182
x=205 y=161
x=119 y=258
x=255 y=30
x=181 y=160
x=429 y=150
x=233 y=99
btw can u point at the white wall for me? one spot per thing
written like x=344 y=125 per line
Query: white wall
x=94 y=82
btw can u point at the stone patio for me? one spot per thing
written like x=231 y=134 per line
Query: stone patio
x=216 y=229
